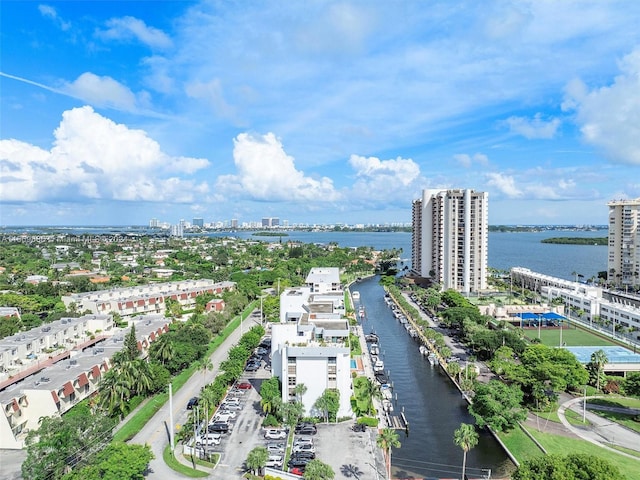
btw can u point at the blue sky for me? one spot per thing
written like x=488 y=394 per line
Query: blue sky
x=316 y=112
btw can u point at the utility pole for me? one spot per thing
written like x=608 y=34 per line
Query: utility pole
x=584 y=406
x=171 y=417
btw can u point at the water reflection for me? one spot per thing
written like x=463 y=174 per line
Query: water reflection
x=433 y=406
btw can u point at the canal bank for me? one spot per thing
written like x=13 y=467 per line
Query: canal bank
x=432 y=405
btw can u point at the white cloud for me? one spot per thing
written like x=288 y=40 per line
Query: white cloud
x=609 y=117
x=466 y=160
x=127 y=28
x=101 y=92
x=267 y=173
x=504 y=183
x=535 y=127
x=93 y=157
x=50 y=12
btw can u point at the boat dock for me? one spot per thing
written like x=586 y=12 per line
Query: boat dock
x=397 y=422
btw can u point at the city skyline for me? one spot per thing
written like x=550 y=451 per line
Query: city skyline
x=113 y=113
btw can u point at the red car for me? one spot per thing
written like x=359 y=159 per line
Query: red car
x=244 y=386
x=297 y=471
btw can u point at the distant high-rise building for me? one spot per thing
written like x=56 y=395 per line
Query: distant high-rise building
x=624 y=243
x=198 y=222
x=450 y=238
x=178 y=230
x=154 y=223
x=270 y=222
x=234 y=223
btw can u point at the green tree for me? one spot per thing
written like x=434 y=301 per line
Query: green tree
x=466 y=438
x=632 y=384
x=577 y=466
x=130 y=350
x=60 y=443
x=299 y=390
x=497 y=405
x=119 y=461
x=257 y=459
x=596 y=366
x=388 y=439
x=328 y=404
x=317 y=470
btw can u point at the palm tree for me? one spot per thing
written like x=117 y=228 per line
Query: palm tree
x=204 y=365
x=453 y=368
x=164 y=350
x=299 y=390
x=388 y=439
x=599 y=359
x=466 y=438
x=257 y=459
x=367 y=391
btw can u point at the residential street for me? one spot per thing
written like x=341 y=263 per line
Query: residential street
x=156 y=432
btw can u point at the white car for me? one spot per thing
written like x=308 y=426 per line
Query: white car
x=209 y=439
x=273 y=434
x=275 y=448
x=304 y=447
x=275 y=461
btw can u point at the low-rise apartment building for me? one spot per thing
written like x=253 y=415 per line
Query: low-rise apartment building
x=55 y=388
x=310 y=345
x=145 y=299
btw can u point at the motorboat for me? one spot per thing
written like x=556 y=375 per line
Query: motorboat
x=378 y=366
x=432 y=359
x=371 y=338
x=374 y=349
x=387 y=405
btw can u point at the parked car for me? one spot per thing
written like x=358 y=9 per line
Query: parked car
x=309 y=455
x=306 y=430
x=261 y=351
x=226 y=418
x=231 y=407
x=275 y=448
x=244 y=386
x=296 y=462
x=303 y=441
x=193 y=402
x=275 y=461
x=252 y=367
x=304 y=447
x=218 y=427
x=274 y=434
x=297 y=471
x=209 y=439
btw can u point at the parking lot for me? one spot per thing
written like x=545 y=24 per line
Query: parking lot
x=351 y=454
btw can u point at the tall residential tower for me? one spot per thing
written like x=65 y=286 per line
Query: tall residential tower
x=450 y=238
x=623 y=265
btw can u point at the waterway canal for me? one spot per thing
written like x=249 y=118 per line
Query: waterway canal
x=433 y=407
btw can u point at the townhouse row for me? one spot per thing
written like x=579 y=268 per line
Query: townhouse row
x=59 y=383
x=145 y=299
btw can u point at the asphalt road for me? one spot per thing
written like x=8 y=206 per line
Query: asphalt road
x=156 y=432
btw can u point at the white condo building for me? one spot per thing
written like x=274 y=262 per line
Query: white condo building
x=310 y=345
x=623 y=265
x=450 y=238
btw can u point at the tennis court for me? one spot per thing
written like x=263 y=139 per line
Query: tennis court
x=571 y=336
x=615 y=354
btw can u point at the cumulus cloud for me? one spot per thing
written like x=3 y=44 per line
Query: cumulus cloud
x=267 y=173
x=609 y=117
x=101 y=92
x=535 y=127
x=466 y=160
x=128 y=28
x=388 y=181
x=93 y=157
x=504 y=184
x=50 y=12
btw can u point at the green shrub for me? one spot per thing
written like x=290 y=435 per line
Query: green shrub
x=368 y=421
x=270 y=421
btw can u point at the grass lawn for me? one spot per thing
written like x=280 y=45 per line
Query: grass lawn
x=520 y=445
x=617 y=402
x=572 y=337
x=564 y=445
x=170 y=460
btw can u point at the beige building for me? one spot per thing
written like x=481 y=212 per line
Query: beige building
x=623 y=264
x=450 y=238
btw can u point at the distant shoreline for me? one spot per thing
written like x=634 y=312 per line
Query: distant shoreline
x=577 y=240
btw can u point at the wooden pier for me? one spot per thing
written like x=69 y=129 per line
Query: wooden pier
x=397 y=422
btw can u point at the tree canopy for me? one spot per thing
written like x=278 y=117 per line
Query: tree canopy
x=576 y=466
